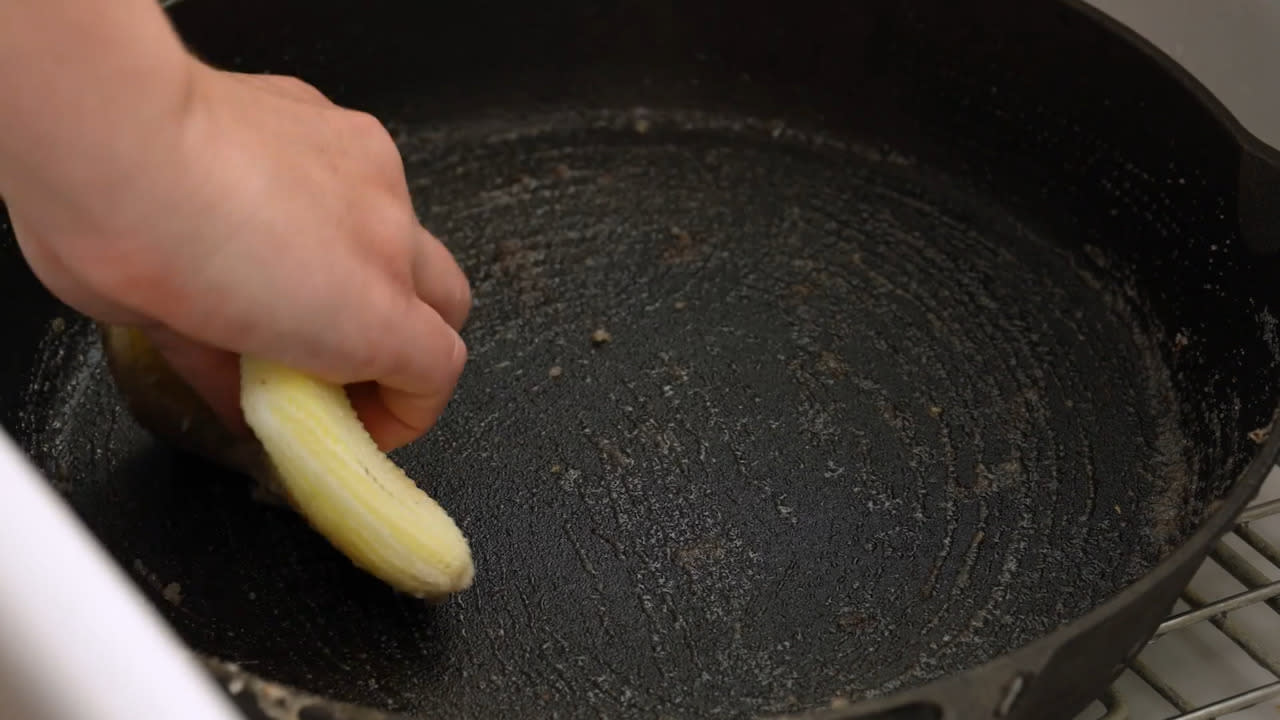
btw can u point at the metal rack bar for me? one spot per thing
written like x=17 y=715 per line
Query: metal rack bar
x=1241 y=569
x=1220 y=607
x=1259 y=544
x=1117 y=708
x=1160 y=685
x=1243 y=701
x=1260 y=590
x=1259 y=511
x=1239 y=636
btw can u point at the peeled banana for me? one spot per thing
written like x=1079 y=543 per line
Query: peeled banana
x=313 y=452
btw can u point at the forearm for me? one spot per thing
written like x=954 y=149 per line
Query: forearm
x=87 y=88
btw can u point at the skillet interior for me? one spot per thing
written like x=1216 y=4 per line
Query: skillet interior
x=929 y=335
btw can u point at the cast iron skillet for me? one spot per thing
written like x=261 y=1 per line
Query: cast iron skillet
x=943 y=347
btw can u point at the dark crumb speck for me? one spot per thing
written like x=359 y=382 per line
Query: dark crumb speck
x=680 y=305
x=851 y=621
x=682 y=248
x=506 y=250
x=832 y=364
x=935 y=411
x=1260 y=435
x=556 y=469
x=601 y=336
x=57 y=325
x=561 y=171
x=555 y=371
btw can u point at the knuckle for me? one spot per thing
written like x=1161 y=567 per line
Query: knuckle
x=377 y=143
x=366 y=123
x=289 y=83
x=288 y=86
x=389 y=224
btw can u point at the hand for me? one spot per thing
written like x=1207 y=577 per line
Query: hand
x=271 y=222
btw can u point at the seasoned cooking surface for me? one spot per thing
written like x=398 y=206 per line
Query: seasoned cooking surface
x=753 y=419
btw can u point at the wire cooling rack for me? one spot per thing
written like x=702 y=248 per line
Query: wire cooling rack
x=1218 y=655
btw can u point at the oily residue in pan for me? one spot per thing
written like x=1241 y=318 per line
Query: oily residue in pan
x=849 y=421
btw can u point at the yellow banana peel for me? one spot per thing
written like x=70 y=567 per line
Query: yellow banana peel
x=311 y=450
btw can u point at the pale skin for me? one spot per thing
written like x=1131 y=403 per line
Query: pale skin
x=223 y=213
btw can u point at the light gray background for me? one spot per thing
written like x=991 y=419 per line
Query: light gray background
x=1232 y=46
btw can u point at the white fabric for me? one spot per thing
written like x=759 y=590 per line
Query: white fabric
x=78 y=641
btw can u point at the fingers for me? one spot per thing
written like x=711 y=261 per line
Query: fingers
x=440 y=282
x=407 y=400
x=417 y=374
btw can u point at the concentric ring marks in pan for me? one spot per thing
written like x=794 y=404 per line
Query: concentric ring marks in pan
x=851 y=420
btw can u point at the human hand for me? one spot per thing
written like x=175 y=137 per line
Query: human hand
x=271 y=222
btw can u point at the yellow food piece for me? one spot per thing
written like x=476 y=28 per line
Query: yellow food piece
x=313 y=451
x=348 y=489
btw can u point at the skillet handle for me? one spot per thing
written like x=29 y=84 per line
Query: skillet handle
x=1258 y=199
x=1194 y=35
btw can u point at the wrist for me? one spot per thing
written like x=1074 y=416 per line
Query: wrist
x=108 y=116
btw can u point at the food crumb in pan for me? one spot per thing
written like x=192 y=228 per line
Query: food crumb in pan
x=557 y=468
x=561 y=171
x=705 y=552
x=601 y=336
x=555 y=371
x=852 y=621
x=642 y=125
x=680 y=305
x=173 y=593
x=57 y=325
x=1260 y=435
x=832 y=364
x=1180 y=341
x=935 y=411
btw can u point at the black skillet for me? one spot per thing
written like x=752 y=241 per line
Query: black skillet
x=942 y=349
